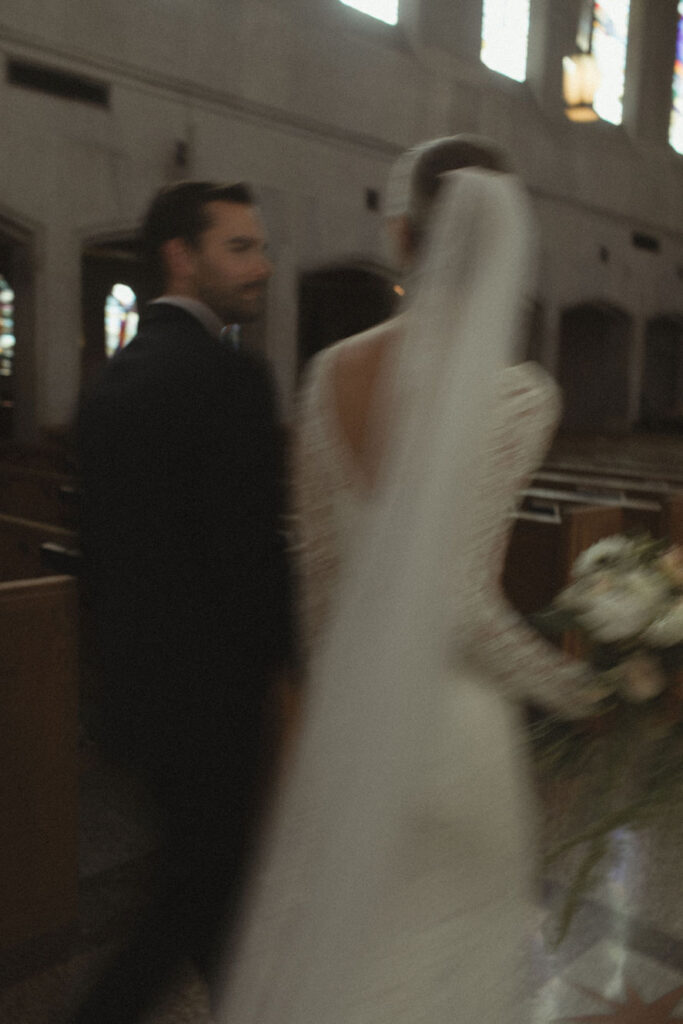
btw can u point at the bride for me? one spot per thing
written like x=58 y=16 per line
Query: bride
x=396 y=884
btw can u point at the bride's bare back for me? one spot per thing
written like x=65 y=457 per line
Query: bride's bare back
x=358 y=377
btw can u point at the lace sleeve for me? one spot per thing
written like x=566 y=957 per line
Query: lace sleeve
x=516 y=657
x=523 y=664
x=313 y=529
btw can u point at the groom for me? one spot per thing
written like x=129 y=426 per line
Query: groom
x=181 y=528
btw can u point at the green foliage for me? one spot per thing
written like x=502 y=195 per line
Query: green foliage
x=629 y=771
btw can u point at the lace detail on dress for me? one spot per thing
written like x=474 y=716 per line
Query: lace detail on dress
x=320 y=477
x=513 y=655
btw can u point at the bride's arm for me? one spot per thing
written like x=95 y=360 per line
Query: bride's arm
x=514 y=655
x=524 y=665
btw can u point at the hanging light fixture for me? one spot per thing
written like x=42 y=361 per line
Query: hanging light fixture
x=580 y=74
x=580 y=79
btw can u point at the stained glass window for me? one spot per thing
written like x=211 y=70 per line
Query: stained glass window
x=505 y=37
x=120 y=317
x=384 y=10
x=7 y=340
x=676 y=127
x=609 y=44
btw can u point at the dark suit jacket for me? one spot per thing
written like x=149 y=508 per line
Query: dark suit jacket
x=182 y=481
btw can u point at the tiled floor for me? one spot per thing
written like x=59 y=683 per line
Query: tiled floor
x=611 y=983
x=610 y=955
x=622 y=956
x=621 y=960
x=43 y=983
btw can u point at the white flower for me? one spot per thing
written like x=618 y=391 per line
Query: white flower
x=606 y=552
x=671 y=564
x=641 y=680
x=649 y=584
x=614 y=618
x=623 y=606
x=667 y=629
x=583 y=592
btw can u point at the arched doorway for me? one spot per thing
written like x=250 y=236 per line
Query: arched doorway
x=661 y=399
x=595 y=341
x=340 y=300
x=115 y=285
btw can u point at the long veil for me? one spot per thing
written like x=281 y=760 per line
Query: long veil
x=376 y=687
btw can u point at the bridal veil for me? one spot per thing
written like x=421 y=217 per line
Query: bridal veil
x=367 y=764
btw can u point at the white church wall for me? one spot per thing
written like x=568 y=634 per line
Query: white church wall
x=311 y=102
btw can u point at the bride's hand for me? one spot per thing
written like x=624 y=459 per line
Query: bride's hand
x=591 y=692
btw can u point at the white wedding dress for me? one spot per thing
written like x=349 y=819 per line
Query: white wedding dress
x=397 y=883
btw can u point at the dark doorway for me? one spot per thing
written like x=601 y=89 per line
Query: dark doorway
x=661 y=402
x=593 y=368
x=338 y=301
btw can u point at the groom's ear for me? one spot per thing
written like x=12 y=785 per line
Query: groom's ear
x=403 y=236
x=177 y=260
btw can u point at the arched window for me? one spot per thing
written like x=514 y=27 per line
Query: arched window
x=609 y=43
x=676 y=127
x=505 y=37
x=120 y=317
x=383 y=10
x=7 y=340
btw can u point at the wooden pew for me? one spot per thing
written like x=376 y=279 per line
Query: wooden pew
x=673 y=518
x=38 y=758
x=20 y=546
x=638 y=514
x=594 y=481
x=31 y=550
x=543 y=548
x=54 y=454
x=38 y=494
x=666 y=493
x=628 y=470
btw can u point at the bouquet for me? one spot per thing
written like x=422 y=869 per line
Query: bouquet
x=625 y=601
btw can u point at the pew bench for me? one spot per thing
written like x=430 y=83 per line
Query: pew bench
x=38 y=758
x=661 y=514
x=608 y=467
x=20 y=546
x=38 y=494
x=544 y=545
x=604 y=483
x=638 y=514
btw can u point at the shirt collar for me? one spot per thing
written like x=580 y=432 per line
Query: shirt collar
x=199 y=310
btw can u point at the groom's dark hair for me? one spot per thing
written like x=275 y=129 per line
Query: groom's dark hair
x=179 y=211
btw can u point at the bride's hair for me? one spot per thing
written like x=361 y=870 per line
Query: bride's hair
x=416 y=177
